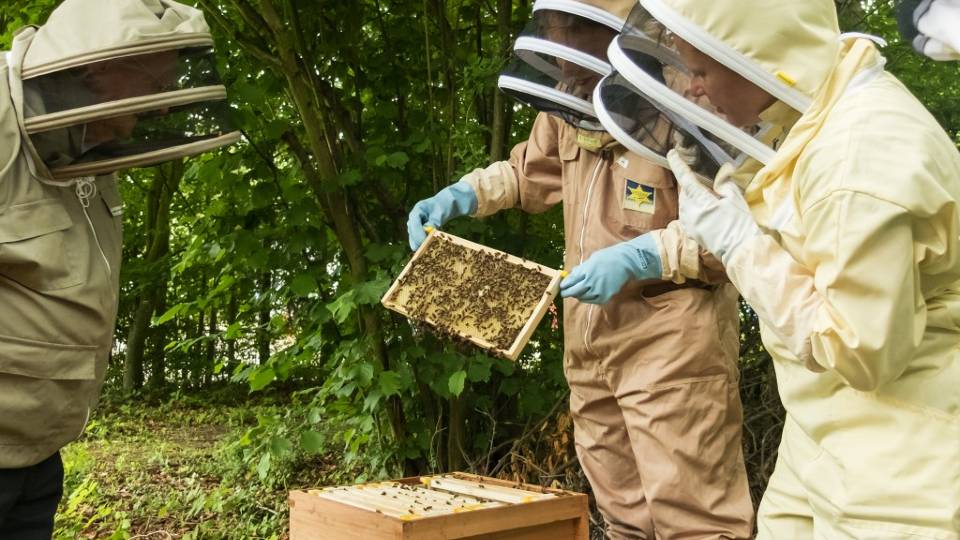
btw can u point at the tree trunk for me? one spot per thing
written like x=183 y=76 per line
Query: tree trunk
x=165 y=182
x=231 y=343
x=158 y=356
x=456 y=435
x=263 y=319
x=500 y=125
x=211 y=352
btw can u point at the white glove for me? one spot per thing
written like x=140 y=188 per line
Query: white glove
x=721 y=221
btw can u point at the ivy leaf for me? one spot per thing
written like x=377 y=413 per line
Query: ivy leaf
x=457 y=381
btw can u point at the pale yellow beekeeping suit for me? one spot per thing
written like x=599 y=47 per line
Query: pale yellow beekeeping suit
x=856 y=279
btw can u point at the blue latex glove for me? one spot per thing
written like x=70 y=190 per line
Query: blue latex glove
x=608 y=270
x=453 y=201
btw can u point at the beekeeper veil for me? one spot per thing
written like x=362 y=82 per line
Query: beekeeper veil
x=106 y=85
x=651 y=129
x=787 y=64
x=561 y=55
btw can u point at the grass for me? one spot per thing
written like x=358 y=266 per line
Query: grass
x=178 y=469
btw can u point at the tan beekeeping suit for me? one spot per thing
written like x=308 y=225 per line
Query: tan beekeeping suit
x=652 y=374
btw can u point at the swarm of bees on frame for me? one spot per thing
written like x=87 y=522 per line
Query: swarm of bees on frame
x=461 y=291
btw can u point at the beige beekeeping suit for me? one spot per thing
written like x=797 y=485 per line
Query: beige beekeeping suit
x=60 y=223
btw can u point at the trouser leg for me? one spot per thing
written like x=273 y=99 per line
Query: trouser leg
x=605 y=454
x=29 y=499
x=811 y=495
x=686 y=439
x=784 y=510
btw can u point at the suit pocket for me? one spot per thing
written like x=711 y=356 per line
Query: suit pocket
x=645 y=196
x=34 y=250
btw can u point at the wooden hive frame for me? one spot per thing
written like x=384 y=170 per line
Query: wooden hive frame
x=531 y=325
x=510 y=511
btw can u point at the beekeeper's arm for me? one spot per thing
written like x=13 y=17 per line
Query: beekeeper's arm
x=682 y=258
x=851 y=308
x=530 y=179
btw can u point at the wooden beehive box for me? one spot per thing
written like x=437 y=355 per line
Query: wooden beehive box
x=447 y=507
x=471 y=292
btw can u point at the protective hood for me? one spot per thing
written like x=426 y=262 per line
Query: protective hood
x=561 y=56
x=106 y=85
x=650 y=129
x=786 y=48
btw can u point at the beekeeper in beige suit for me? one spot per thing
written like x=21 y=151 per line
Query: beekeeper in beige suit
x=651 y=363
x=104 y=85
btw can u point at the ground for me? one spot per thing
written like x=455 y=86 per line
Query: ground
x=193 y=468
x=173 y=470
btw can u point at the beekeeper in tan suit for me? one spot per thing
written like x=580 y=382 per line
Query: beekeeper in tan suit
x=104 y=85
x=651 y=327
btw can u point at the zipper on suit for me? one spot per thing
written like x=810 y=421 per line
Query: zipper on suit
x=86 y=188
x=583 y=232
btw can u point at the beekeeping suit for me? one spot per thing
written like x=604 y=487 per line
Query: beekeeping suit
x=846 y=244
x=652 y=372
x=104 y=85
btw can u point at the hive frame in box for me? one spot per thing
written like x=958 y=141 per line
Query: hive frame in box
x=546 y=514
x=525 y=333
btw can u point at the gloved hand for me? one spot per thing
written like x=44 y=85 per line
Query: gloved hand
x=690 y=154
x=607 y=270
x=721 y=221
x=453 y=201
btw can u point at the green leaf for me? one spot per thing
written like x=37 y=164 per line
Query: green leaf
x=311 y=442
x=170 y=314
x=350 y=177
x=362 y=372
x=479 y=369
x=343 y=307
x=398 y=160
x=382 y=252
x=263 y=468
x=370 y=292
x=372 y=400
x=280 y=446
x=261 y=378
x=234 y=331
x=457 y=381
x=303 y=285
x=510 y=387
x=390 y=383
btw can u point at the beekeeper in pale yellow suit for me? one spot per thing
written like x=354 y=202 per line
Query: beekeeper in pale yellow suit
x=847 y=245
x=104 y=85
x=651 y=364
